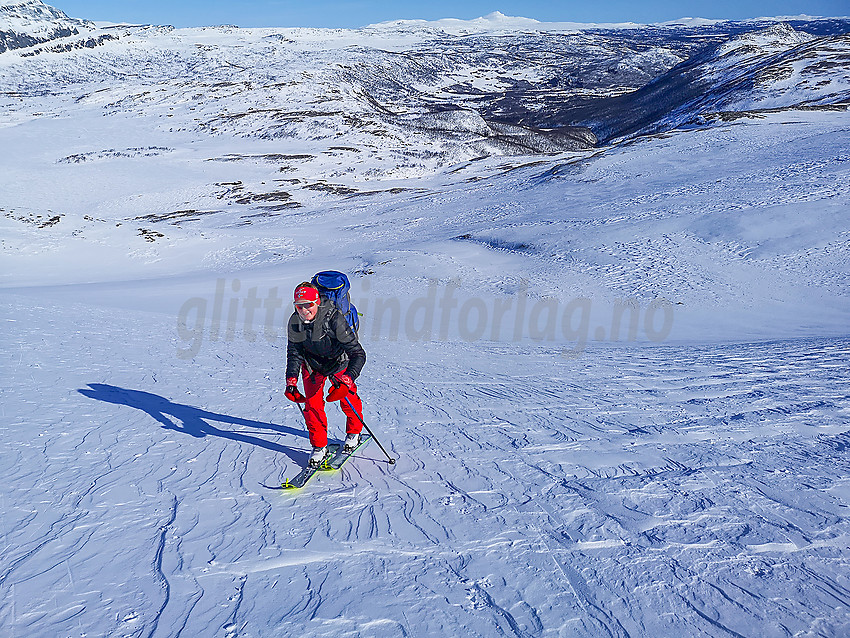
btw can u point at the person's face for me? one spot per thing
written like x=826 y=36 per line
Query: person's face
x=307 y=311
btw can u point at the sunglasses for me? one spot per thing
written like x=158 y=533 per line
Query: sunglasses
x=306 y=304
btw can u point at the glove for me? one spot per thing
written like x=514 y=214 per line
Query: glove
x=292 y=392
x=343 y=384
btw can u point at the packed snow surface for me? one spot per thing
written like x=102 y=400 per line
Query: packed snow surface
x=614 y=377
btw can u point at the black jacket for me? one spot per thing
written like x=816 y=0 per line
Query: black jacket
x=327 y=344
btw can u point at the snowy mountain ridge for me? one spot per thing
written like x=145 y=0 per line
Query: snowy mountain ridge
x=31 y=22
x=293 y=120
x=492 y=23
x=27 y=15
x=779 y=37
x=33 y=14
x=775 y=68
x=509 y=97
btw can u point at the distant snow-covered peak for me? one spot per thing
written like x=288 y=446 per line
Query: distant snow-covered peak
x=33 y=16
x=690 y=22
x=499 y=22
x=776 y=37
x=496 y=21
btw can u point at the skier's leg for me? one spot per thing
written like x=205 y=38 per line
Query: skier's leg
x=353 y=425
x=314 y=409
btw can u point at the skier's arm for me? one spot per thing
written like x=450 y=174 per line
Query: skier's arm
x=348 y=340
x=356 y=359
x=294 y=360
x=294 y=351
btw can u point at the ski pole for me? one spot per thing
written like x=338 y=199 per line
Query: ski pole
x=372 y=434
x=336 y=384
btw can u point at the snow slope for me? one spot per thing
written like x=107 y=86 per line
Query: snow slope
x=615 y=377
x=699 y=490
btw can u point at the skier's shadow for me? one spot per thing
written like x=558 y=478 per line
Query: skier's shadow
x=191 y=420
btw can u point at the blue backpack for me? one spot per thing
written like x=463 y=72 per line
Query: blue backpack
x=334 y=285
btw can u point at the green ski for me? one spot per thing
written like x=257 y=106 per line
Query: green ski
x=342 y=456
x=304 y=475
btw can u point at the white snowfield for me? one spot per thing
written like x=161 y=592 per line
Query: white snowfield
x=615 y=379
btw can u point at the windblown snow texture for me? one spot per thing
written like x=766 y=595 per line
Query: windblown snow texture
x=559 y=473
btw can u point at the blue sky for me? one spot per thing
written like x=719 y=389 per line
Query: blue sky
x=355 y=13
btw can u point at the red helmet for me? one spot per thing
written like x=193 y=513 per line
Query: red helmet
x=305 y=295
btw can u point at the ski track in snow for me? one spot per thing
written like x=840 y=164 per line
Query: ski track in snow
x=671 y=490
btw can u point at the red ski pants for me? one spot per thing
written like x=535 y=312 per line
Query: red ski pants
x=314 y=409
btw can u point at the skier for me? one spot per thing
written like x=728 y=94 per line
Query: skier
x=322 y=345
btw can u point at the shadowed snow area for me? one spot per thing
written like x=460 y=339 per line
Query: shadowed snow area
x=604 y=285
